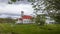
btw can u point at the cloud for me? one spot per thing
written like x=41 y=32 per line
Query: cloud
x=16 y=9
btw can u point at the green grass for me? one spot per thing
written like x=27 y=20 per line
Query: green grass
x=29 y=29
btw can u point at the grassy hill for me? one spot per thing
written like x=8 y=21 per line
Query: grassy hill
x=29 y=29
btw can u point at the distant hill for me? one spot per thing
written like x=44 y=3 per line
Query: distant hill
x=7 y=20
x=5 y=15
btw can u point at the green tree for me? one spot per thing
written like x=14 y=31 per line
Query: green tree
x=40 y=19
x=52 y=7
x=13 y=0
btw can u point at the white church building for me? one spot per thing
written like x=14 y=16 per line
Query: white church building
x=25 y=19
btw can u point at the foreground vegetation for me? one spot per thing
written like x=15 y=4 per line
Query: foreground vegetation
x=29 y=29
x=7 y=20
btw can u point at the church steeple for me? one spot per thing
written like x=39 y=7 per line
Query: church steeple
x=22 y=13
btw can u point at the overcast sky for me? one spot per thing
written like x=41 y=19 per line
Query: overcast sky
x=15 y=8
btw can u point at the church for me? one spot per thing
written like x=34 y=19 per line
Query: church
x=25 y=19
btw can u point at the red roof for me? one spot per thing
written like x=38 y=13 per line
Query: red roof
x=27 y=17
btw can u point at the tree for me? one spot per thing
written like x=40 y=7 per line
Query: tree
x=53 y=9
x=51 y=6
x=13 y=0
x=40 y=18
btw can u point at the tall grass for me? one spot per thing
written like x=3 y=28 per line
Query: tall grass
x=29 y=29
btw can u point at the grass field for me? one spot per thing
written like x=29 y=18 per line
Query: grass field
x=29 y=29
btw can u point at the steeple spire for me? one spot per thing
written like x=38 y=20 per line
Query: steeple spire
x=22 y=14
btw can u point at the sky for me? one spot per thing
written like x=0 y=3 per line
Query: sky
x=15 y=8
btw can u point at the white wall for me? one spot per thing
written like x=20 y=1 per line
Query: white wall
x=27 y=21
x=49 y=20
